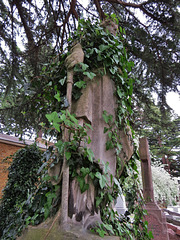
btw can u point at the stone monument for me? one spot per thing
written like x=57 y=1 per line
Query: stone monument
x=156 y=218
x=97 y=97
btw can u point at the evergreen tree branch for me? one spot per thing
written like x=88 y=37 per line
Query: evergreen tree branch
x=141 y=6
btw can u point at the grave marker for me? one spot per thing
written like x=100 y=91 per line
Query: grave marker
x=156 y=218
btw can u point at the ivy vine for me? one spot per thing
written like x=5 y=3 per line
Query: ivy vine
x=104 y=54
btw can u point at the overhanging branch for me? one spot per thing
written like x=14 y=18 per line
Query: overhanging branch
x=134 y=5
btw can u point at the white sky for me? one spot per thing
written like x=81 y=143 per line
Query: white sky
x=173 y=99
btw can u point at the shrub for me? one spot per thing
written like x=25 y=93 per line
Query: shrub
x=165 y=186
x=22 y=180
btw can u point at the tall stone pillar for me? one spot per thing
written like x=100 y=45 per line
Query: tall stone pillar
x=156 y=218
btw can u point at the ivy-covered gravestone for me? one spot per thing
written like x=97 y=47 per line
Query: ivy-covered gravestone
x=100 y=135
x=94 y=149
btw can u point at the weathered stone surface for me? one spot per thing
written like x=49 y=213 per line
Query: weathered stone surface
x=173 y=232
x=76 y=56
x=72 y=232
x=156 y=218
x=156 y=221
x=146 y=170
x=97 y=97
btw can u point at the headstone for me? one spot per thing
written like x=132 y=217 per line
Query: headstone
x=156 y=218
x=120 y=205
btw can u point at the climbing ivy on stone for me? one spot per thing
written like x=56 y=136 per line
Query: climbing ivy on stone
x=104 y=54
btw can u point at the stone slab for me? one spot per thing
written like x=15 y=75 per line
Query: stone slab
x=156 y=222
x=72 y=232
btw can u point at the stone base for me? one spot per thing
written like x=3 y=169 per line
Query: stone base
x=71 y=232
x=174 y=232
x=156 y=221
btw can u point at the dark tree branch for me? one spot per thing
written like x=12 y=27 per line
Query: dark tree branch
x=99 y=9
x=140 y=6
x=71 y=11
x=86 y=10
x=26 y=27
x=125 y=4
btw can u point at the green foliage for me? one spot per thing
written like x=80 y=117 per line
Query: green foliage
x=31 y=70
x=107 y=54
x=102 y=50
x=153 y=45
x=28 y=196
x=166 y=191
x=21 y=180
x=162 y=131
x=85 y=169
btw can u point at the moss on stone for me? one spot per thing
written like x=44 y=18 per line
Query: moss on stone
x=72 y=232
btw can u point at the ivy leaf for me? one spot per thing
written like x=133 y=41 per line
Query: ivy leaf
x=101 y=232
x=50 y=84
x=109 y=228
x=119 y=146
x=106 y=167
x=89 y=126
x=84 y=66
x=67 y=155
x=110 y=135
x=83 y=186
x=120 y=46
x=102 y=179
x=116 y=59
x=105 y=129
x=90 y=51
x=150 y=235
x=105 y=117
x=62 y=81
x=109 y=145
x=53 y=117
x=118 y=184
x=84 y=171
x=120 y=93
x=112 y=70
x=99 y=58
x=90 y=154
x=46 y=213
x=89 y=140
x=111 y=177
x=80 y=84
x=91 y=175
x=103 y=47
x=56 y=126
x=96 y=50
x=57 y=96
x=90 y=75
x=98 y=201
x=72 y=117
